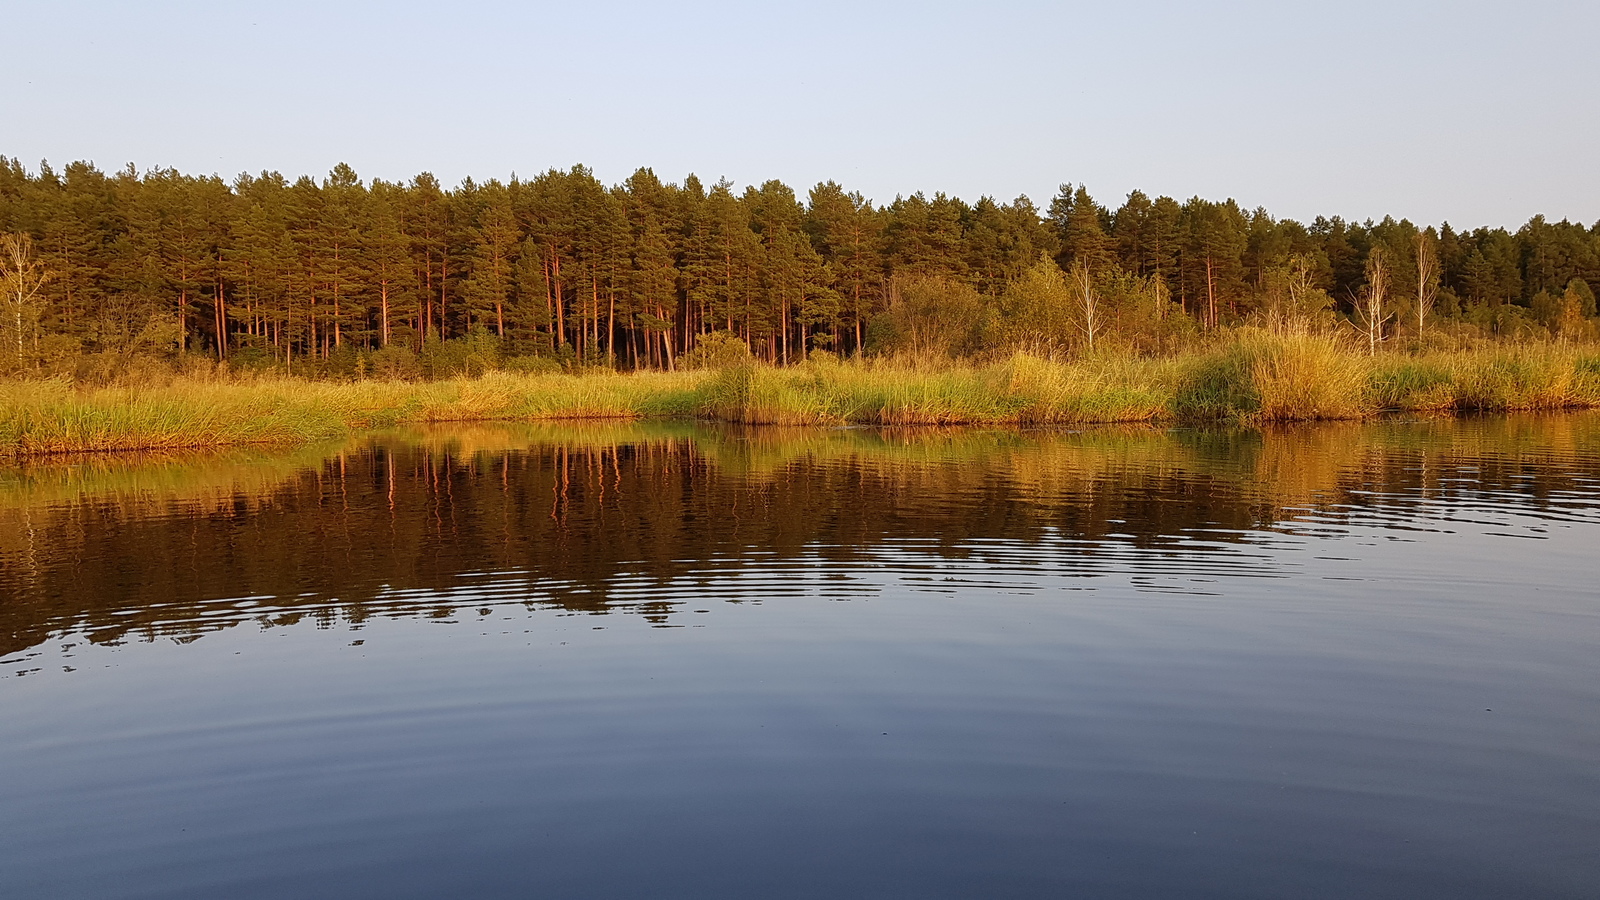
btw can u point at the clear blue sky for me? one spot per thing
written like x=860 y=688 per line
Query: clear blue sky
x=1475 y=112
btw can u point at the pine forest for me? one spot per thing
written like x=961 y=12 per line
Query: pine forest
x=346 y=277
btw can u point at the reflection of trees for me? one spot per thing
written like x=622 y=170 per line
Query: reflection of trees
x=590 y=518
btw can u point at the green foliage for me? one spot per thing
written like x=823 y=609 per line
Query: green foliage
x=1038 y=314
x=473 y=354
x=718 y=350
x=931 y=316
x=395 y=363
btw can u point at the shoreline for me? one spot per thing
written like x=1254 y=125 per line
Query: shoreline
x=1252 y=381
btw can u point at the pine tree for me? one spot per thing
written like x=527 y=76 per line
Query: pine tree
x=427 y=218
x=387 y=251
x=724 y=262
x=1491 y=275
x=262 y=262
x=545 y=208
x=488 y=289
x=78 y=222
x=923 y=237
x=601 y=253
x=848 y=233
x=1213 y=256
x=341 y=268
x=791 y=274
x=652 y=213
x=1082 y=225
x=1003 y=241
x=1427 y=261
x=1130 y=232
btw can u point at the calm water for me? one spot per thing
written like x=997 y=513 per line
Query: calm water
x=618 y=661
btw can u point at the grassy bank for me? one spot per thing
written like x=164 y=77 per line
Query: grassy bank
x=1255 y=378
x=54 y=417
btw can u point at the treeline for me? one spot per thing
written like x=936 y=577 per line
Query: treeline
x=563 y=267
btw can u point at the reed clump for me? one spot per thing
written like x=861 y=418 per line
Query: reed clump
x=1414 y=384
x=1260 y=377
x=749 y=393
x=1516 y=378
x=1095 y=390
x=595 y=395
x=913 y=392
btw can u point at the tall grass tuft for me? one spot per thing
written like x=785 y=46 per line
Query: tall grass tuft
x=1262 y=377
x=1516 y=378
x=1307 y=377
x=748 y=393
x=1101 y=390
x=1413 y=384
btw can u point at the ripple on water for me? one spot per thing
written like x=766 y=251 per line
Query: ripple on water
x=1341 y=661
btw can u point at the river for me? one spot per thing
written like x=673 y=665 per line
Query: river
x=615 y=660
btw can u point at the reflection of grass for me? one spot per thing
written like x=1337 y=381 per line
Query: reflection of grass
x=1284 y=465
x=468 y=439
x=204 y=480
x=647 y=497
x=1250 y=378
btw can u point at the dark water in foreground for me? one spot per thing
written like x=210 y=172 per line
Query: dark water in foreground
x=615 y=661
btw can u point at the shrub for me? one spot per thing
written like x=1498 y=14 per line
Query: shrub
x=717 y=350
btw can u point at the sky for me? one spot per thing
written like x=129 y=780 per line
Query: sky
x=1476 y=113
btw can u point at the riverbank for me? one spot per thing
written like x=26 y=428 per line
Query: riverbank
x=1253 y=379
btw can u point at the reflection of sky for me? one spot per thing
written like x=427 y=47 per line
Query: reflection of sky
x=1275 y=104
x=1393 y=718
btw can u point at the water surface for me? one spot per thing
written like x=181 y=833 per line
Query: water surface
x=608 y=660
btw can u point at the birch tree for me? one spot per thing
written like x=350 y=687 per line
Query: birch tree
x=1087 y=301
x=22 y=277
x=1371 y=306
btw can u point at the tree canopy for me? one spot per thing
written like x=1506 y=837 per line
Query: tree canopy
x=563 y=266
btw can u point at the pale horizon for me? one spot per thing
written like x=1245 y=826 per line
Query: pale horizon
x=1466 y=113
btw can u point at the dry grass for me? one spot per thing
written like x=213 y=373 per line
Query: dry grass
x=1252 y=378
x=54 y=417
x=1500 y=379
